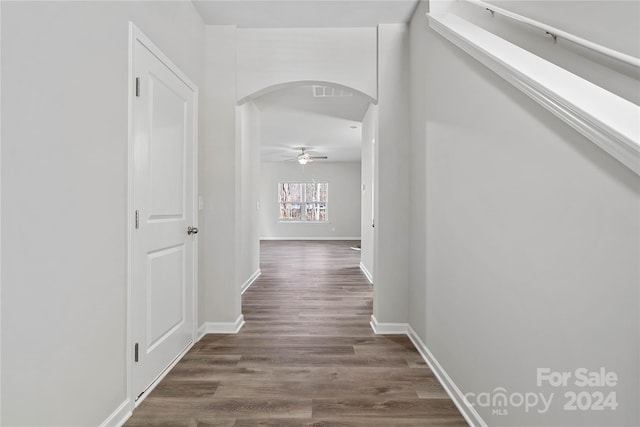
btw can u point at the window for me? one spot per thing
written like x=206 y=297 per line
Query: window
x=303 y=201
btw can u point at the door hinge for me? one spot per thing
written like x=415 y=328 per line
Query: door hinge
x=135 y=352
x=137 y=219
x=137 y=86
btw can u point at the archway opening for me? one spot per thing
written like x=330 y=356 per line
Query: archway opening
x=335 y=125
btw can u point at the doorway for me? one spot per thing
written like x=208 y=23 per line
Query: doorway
x=162 y=209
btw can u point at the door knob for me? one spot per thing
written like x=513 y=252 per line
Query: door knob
x=192 y=230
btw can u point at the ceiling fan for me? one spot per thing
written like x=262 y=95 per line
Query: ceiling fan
x=304 y=157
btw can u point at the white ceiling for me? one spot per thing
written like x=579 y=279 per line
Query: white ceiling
x=292 y=118
x=304 y=13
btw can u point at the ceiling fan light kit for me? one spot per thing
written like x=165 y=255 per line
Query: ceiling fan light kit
x=304 y=158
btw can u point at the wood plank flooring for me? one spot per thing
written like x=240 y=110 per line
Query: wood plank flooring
x=305 y=357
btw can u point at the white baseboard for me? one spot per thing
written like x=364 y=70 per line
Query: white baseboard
x=310 y=238
x=468 y=412
x=388 y=328
x=220 y=327
x=250 y=281
x=366 y=273
x=119 y=416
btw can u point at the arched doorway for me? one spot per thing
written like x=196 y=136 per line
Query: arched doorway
x=327 y=120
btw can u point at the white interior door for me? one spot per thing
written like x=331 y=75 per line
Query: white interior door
x=163 y=253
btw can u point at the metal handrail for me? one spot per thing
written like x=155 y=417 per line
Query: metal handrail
x=558 y=33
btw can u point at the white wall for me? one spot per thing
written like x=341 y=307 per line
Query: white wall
x=243 y=62
x=220 y=297
x=392 y=156
x=270 y=57
x=614 y=26
x=343 y=205
x=64 y=195
x=532 y=251
x=369 y=135
x=248 y=260
x=418 y=244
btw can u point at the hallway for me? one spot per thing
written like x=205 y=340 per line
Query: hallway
x=306 y=356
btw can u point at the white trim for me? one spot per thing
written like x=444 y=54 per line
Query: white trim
x=469 y=413
x=606 y=119
x=146 y=41
x=466 y=409
x=246 y=285
x=221 y=327
x=0 y=232
x=388 y=328
x=130 y=220
x=202 y=331
x=135 y=34
x=366 y=273
x=310 y=238
x=119 y=416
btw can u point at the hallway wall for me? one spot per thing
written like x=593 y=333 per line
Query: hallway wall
x=64 y=199
x=369 y=135
x=612 y=23
x=343 y=206
x=518 y=247
x=273 y=56
x=532 y=252
x=220 y=299
x=248 y=122
x=240 y=63
x=392 y=186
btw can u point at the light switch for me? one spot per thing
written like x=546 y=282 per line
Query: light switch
x=200 y=203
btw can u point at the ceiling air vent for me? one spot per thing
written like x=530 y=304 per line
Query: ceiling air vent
x=329 y=92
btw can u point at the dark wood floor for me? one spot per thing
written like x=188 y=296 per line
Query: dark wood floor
x=305 y=357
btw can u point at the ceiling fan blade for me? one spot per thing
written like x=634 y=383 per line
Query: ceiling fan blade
x=319 y=157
